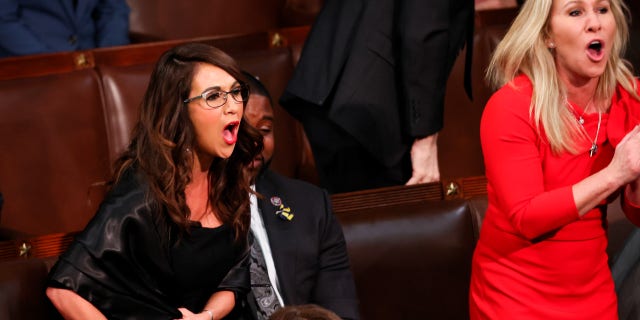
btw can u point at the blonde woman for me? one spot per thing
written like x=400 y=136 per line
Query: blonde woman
x=560 y=140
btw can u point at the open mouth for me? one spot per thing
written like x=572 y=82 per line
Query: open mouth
x=229 y=134
x=595 y=46
x=595 y=50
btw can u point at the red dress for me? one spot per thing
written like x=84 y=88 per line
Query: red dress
x=536 y=258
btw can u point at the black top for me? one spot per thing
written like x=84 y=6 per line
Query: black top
x=129 y=263
x=200 y=262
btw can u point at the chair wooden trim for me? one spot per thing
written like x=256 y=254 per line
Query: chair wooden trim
x=50 y=245
x=464 y=188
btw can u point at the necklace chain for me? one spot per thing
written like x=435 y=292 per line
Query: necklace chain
x=580 y=120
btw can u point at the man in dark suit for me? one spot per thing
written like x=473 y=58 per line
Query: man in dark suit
x=292 y=222
x=41 y=26
x=369 y=88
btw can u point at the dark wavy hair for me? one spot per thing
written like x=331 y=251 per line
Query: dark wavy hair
x=164 y=133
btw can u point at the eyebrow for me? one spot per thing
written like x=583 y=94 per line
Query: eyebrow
x=220 y=88
x=582 y=1
x=572 y=3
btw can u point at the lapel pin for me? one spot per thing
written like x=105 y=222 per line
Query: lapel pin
x=285 y=213
x=276 y=201
x=282 y=212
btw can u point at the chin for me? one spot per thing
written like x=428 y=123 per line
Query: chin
x=226 y=153
x=594 y=73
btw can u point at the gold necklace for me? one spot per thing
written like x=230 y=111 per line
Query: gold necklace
x=580 y=119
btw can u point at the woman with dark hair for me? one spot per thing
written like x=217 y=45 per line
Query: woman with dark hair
x=170 y=239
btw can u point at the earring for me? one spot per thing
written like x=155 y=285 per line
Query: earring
x=552 y=45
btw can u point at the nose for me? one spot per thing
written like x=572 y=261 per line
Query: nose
x=593 y=22
x=231 y=106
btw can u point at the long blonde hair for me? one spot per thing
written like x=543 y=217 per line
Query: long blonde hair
x=523 y=51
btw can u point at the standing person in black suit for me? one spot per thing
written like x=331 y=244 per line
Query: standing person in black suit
x=292 y=222
x=369 y=88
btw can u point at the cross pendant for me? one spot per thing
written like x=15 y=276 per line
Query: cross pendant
x=593 y=150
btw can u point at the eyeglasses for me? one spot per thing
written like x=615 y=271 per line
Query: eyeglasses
x=215 y=98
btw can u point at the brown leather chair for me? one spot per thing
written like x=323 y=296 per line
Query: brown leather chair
x=124 y=87
x=152 y=20
x=22 y=290
x=54 y=147
x=412 y=261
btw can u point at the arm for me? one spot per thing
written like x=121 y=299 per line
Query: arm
x=16 y=38
x=119 y=262
x=514 y=168
x=335 y=287
x=217 y=307
x=627 y=158
x=72 y=306
x=430 y=34
x=625 y=114
x=112 y=23
x=622 y=171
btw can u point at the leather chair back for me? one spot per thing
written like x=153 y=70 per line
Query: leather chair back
x=168 y=20
x=412 y=260
x=54 y=147
x=22 y=293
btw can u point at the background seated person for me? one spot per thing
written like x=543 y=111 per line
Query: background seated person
x=295 y=233
x=41 y=26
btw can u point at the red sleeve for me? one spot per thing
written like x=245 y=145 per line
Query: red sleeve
x=512 y=153
x=625 y=111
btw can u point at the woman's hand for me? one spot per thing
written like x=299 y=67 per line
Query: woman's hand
x=188 y=315
x=626 y=160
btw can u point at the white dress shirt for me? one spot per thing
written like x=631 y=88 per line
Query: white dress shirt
x=260 y=235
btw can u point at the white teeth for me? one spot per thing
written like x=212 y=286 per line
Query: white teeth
x=595 y=45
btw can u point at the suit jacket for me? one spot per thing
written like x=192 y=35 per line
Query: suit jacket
x=381 y=64
x=309 y=251
x=37 y=26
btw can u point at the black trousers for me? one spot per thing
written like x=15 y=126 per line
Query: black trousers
x=343 y=164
